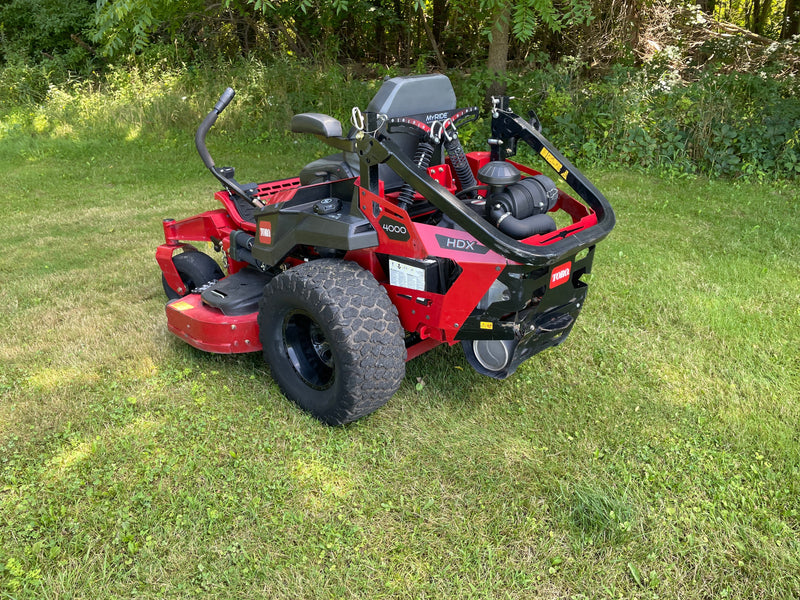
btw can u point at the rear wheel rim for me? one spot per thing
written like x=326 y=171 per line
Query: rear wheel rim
x=308 y=350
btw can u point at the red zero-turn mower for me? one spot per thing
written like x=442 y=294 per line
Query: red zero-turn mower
x=398 y=243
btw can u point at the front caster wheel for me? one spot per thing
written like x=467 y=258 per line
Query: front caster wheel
x=195 y=269
x=333 y=339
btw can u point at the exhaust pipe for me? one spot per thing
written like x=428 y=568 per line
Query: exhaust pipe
x=490 y=357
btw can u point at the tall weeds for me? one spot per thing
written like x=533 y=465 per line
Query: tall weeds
x=160 y=98
x=651 y=117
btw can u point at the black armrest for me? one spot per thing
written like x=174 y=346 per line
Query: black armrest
x=317 y=124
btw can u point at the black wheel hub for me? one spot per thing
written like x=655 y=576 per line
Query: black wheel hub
x=308 y=350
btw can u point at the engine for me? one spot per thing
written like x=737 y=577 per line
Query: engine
x=518 y=207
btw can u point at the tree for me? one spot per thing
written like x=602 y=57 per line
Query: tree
x=498 y=49
x=707 y=6
x=776 y=19
x=759 y=16
x=38 y=30
x=125 y=26
x=521 y=20
x=791 y=19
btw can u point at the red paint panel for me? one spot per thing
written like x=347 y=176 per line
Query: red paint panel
x=209 y=330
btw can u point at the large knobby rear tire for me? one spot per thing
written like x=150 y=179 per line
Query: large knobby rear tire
x=333 y=339
x=195 y=269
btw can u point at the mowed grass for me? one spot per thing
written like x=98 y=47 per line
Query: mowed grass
x=655 y=454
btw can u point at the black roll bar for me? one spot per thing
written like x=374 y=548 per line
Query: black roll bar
x=509 y=127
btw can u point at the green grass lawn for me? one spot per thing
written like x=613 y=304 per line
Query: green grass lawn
x=655 y=454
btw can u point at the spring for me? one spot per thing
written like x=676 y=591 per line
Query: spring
x=459 y=161
x=422 y=158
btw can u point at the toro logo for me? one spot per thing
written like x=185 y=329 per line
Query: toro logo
x=265 y=232
x=395 y=230
x=560 y=275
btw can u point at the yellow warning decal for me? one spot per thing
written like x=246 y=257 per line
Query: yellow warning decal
x=551 y=160
x=487 y=325
x=555 y=163
x=181 y=305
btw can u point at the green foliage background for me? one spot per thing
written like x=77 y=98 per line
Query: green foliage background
x=651 y=85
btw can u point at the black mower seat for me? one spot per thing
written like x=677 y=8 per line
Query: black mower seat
x=397 y=97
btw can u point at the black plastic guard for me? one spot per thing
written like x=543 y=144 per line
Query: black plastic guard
x=540 y=312
x=283 y=226
x=539 y=331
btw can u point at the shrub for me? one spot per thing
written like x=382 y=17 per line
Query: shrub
x=24 y=84
x=649 y=117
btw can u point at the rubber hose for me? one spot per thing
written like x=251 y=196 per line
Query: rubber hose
x=520 y=229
